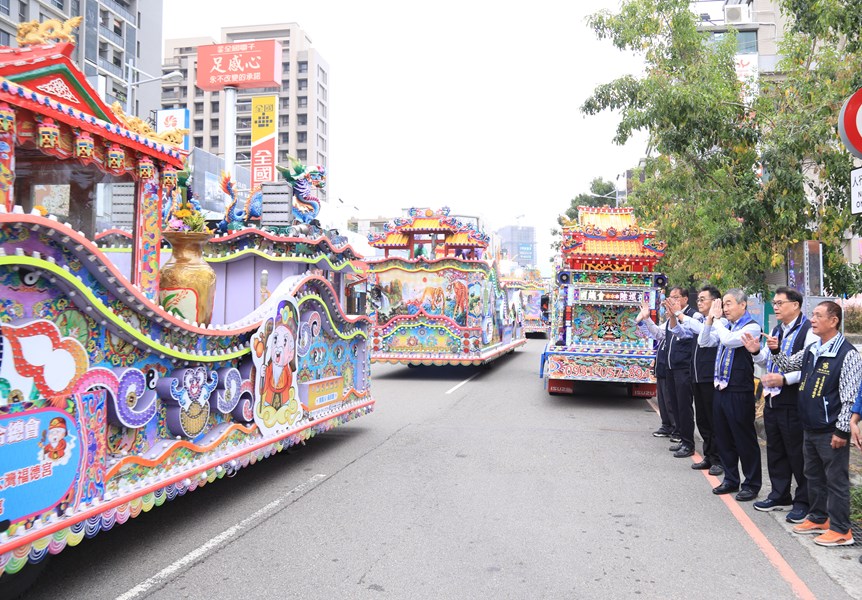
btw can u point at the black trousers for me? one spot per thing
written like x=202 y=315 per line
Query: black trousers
x=679 y=381
x=733 y=420
x=703 y=394
x=784 y=439
x=665 y=405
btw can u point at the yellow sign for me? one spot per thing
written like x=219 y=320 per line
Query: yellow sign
x=263 y=117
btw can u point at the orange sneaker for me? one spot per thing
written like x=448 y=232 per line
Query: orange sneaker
x=833 y=538
x=809 y=526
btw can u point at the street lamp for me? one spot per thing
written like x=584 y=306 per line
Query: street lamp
x=615 y=195
x=131 y=84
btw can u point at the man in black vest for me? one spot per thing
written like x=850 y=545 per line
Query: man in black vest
x=831 y=373
x=733 y=402
x=780 y=414
x=679 y=371
x=665 y=405
x=702 y=372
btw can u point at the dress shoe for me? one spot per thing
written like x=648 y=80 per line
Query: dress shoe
x=683 y=452
x=675 y=447
x=716 y=470
x=661 y=433
x=746 y=495
x=702 y=465
x=725 y=488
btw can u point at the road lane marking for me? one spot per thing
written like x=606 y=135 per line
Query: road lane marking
x=800 y=590
x=218 y=541
x=474 y=375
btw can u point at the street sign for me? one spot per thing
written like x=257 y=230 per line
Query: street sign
x=850 y=123
x=856 y=191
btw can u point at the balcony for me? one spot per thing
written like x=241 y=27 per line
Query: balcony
x=111 y=68
x=112 y=36
x=121 y=10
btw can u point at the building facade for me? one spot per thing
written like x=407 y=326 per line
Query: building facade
x=118 y=44
x=303 y=98
x=518 y=244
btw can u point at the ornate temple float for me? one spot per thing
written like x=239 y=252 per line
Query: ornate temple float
x=131 y=372
x=436 y=297
x=534 y=298
x=605 y=272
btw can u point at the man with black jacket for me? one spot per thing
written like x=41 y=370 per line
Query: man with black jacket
x=784 y=437
x=676 y=390
x=831 y=373
x=702 y=371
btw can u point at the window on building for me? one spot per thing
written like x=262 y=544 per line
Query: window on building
x=302 y=101
x=58 y=4
x=5 y=38
x=283 y=156
x=321 y=109
x=301 y=137
x=302 y=155
x=23 y=11
x=321 y=143
x=285 y=67
x=746 y=41
x=199 y=142
x=302 y=66
x=4 y=7
x=284 y=103
x=283 y=121
x=199 y=124
x=213 y=142
x=321 y=74
x=214 y=123
x=321 y=92
x=283 y=138
x=243 y=140
x=199 y=107
x=302 y=120
x=214 y=107
x=301 y=84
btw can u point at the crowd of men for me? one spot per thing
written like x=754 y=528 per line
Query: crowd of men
x=812 y=401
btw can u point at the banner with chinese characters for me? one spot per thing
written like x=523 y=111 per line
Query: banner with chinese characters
x=251 y=64
x=610 y=295
x=40 y=458
x=264 y=142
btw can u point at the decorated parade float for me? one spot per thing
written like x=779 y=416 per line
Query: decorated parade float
x=534 y=298
x=142 y=357
x=605 y=273
x=436 y=297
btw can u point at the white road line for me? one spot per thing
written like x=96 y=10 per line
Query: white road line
x=449 y=391
x=220 y=540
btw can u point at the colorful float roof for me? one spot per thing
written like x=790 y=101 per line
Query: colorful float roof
x=605 y=233
x=397 y=233
x=43 y=79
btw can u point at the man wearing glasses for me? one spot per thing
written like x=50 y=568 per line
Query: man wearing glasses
x=678 y=382
x=733 y=404
x=831 y=371
x=702 y=372
x=780 y=413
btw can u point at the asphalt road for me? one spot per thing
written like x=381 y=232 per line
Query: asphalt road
x=491 y=490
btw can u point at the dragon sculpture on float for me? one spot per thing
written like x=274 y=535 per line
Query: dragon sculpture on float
x=306 y=206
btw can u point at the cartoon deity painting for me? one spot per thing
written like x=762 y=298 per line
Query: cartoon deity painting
x=56 y=443
x=274 y=347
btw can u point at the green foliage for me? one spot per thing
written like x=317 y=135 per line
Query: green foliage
x=723 y=223
x=852 y=319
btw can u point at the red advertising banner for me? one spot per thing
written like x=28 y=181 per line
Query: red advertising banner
x=252 y=64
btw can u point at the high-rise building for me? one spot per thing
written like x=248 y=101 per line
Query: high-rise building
x=303 y=98
x=118 y=44
x=518 y=244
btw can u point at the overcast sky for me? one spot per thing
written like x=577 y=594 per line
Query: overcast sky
x=471 y=104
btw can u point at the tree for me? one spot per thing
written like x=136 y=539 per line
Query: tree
x=723 y=222
x=602 y=193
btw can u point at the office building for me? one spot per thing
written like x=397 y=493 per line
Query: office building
x=518 y=244
x=118 y=44
x=303 y=98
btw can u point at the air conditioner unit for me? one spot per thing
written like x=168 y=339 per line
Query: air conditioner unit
x=737 y=14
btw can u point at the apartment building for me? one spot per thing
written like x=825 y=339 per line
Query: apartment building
x=518 y=244
x=303 y=98
x=118 y=44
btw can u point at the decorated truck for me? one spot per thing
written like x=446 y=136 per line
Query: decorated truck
x=606 y=270
x=435 y=296
x=133 y=371
x=534 y=298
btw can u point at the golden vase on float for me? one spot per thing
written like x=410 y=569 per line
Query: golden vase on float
x=187 y=282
